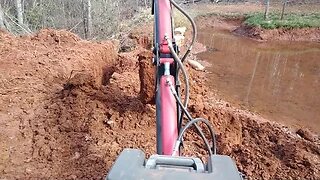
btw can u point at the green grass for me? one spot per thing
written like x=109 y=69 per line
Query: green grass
x=289 y=21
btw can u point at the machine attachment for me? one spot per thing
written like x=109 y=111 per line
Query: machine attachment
x=170 y=110
x=131 y=164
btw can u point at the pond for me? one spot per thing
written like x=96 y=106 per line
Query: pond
x=278 y=80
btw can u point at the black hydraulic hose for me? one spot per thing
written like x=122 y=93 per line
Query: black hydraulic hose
x=184 y=72
x=152 y=7
x=194 y=32
x=197 y=127
x=194 y=35
x=193 y=122
x=183 y=106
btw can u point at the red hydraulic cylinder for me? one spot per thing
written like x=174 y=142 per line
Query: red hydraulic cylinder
x=165 y=26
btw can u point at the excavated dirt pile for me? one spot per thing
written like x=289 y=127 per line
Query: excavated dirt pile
x=68 y=108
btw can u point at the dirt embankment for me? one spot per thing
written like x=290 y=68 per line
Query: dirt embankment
x=68 y=108
x=238 y=27
x=282 y=34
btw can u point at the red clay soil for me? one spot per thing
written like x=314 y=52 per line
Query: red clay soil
x=282 y=34
x=68 y=107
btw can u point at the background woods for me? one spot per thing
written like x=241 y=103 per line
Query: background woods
x=90 y=19
x=96 y=19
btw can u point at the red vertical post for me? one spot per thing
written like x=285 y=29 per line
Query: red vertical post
x=165 y=26
x=168 y=106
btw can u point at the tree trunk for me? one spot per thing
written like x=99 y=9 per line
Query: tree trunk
x=2 y=24
x=266 y=13
x=88 y=20
x=283 y=8
x=19 y=11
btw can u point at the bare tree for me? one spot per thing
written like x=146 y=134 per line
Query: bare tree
x=266 y=13
x=2 y=24
x=283 y=8
x=19 y=11
x=96 y=19
x=88 y=20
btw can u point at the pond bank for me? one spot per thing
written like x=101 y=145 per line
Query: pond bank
x=237 y=26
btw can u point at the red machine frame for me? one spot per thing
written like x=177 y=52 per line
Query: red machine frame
x=167 y=108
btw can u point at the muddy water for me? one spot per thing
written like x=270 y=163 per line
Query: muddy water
x=278 y=80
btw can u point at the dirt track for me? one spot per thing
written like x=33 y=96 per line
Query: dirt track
x=68 y=108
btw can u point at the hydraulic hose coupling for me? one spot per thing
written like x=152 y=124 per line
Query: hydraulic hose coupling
x=168 y=40
x=173 y=91
x=167 y=68
x=176 y=148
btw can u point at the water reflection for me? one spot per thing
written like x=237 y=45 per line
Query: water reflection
x=279 y=80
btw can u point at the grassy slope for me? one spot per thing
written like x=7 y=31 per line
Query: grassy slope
x=297 y=16
x=292 y=20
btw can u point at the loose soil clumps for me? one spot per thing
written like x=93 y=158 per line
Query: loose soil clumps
x=68 y=107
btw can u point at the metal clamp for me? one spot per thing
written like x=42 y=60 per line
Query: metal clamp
x=175 y=162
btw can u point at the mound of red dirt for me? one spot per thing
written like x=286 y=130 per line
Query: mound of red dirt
x=68 y=107
x=282 y=34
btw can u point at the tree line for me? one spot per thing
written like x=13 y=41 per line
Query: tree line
x=91 y=19
x=88 y=18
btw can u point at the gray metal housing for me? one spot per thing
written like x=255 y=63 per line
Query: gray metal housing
x=131 y=164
